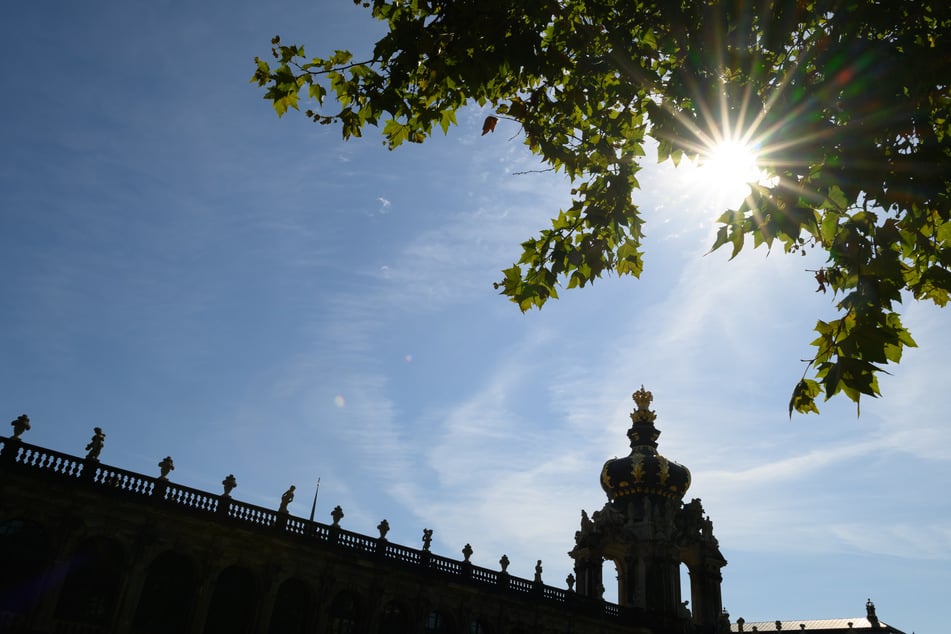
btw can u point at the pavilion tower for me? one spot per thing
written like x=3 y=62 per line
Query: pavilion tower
x=647 y=531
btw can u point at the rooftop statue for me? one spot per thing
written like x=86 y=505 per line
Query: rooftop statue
x=229 y=484
x=20 y=425
x=165 y=466
x=286 y=499
x=337 y=515
x=95 y=444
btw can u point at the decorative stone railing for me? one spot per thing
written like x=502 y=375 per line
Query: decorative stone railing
x=18 y=456
x=402 y=554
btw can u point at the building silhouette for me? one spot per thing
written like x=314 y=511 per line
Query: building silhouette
x=88 y=548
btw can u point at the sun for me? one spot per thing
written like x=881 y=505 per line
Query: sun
x=732 y=161
x=728 y=166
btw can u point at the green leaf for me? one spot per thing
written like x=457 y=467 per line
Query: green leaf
x=804 y=397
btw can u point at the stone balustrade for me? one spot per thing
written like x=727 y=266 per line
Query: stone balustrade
x=17 y=455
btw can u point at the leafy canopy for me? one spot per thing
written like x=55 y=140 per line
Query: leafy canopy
x=848 y=99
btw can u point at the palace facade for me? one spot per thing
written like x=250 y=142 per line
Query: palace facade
x=88 y=548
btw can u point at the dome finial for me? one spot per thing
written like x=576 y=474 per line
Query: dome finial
x=644 y=471
x=643 y=414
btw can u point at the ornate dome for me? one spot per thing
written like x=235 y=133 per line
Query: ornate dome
x=644 y=471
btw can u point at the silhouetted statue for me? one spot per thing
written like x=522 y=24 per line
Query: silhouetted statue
x=586 y=523
x=337 y=515
x=570 y=580
x=229 y=484
x=504 y=562
x=467 y=552
x=20 y=425
x=690 y=518
x=95 y=444
x=286 y=499
x=870 y=613
x=384 y=528
x=683 y=611
x=538 y=571
x=165 y=466
x=427 y=538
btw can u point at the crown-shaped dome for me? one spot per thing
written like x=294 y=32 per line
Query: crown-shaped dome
x=644 y=471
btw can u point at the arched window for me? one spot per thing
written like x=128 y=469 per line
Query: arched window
x=623 y=589
x=437 y=623
x=394 y=619
x=167 y=597
x=686 y=592
x=233 y=603
x=290 y=608
x=91 y=584
x=478 y=626
x=24 y=553
x=344 y=614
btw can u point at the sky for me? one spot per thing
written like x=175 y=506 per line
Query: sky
x=252 y=295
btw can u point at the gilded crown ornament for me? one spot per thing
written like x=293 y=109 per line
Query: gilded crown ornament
x=643 y=414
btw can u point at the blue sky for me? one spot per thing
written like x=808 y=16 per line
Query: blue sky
x=253 y=296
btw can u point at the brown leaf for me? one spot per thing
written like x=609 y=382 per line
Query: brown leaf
x=489 y=124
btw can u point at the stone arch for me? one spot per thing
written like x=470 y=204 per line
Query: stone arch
x=394 y=618
x=91 y=583
x=24 y=557
x=344 y=614
x=234 y=602
x=166 y=601
x=623 y=590
x=290 y=613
